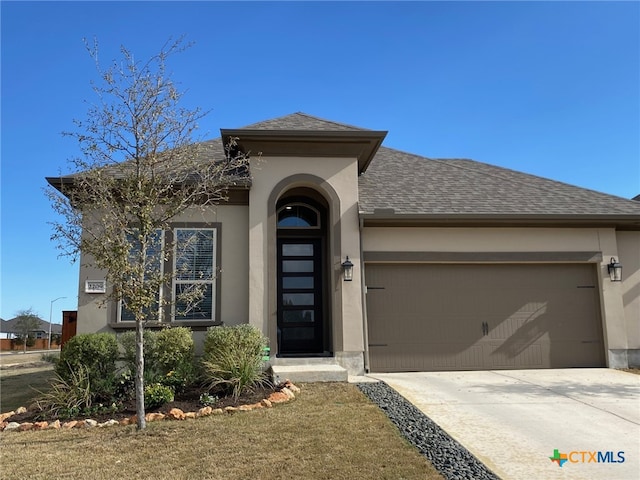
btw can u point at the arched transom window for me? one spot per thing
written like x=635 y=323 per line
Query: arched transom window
x=298 y=215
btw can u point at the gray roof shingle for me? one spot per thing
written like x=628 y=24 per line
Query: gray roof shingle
x=414 y=185
x=302 y=121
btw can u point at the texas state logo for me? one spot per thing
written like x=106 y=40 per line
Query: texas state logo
x=580 y=456
x=559 y=458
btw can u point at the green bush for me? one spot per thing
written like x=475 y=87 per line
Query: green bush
x=174 y=349
x=95 y=352
x=244 y=337
x=156 y=395
x=164 y=350
x=50 y=358
x=232 y=359
x=31 y=340
x=127 y=341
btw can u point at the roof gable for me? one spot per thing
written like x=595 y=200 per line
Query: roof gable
x=302 y=121
x=303 y=135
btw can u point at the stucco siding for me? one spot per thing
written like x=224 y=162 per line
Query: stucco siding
x=629 y=257
x=338 y=175
x=94 y=314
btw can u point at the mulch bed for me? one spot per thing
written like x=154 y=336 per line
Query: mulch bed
x=188 y=401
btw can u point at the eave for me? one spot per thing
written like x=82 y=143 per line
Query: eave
x=384 y=218
x=362 y=145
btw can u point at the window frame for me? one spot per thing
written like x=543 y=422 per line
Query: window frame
x=160 y=315
x=166 y=316
x=214 y=281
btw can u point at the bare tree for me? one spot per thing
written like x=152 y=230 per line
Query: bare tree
x=140 y=167
x=27 y=321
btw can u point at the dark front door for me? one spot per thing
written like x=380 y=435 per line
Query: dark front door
x=300 y=312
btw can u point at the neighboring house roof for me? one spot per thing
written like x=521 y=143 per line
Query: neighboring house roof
x=9 y=326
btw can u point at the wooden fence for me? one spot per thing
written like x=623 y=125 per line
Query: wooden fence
x=8 y=344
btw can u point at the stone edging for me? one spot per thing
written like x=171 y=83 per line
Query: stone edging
x=285 y=394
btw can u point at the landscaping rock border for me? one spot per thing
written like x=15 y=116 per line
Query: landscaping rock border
x=286 y=392
x=452 y=460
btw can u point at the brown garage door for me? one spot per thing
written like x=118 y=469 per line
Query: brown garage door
x=476 y=317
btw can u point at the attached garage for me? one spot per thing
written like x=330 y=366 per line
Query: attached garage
x=483 y=316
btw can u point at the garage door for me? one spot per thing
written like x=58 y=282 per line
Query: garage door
x=477 y=317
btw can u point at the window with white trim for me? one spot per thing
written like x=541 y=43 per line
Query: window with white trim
x=194 y=280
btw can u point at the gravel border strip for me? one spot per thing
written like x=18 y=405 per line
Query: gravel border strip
x=452 y=460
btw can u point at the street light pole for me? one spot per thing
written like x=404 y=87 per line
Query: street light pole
x=50 y=315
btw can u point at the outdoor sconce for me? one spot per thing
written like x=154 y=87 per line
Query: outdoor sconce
x=347 y=268
x=615 y=270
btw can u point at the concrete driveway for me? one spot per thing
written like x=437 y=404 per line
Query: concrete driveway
x=514 y=421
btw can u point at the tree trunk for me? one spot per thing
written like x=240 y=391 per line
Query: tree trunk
x=140 y=375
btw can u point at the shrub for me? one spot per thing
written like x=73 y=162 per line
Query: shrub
x=156 y=395
x=208 y=400
x=127 y=341
x=95 y=352
x=174 y=349
x=68 y=395
x=31 y=340
x=50 y=358
x=232 y=359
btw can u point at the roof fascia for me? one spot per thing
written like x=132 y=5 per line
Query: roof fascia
x=620 y=222
x=362 y=144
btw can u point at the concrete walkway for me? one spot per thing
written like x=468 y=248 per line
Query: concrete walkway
x=513 y=421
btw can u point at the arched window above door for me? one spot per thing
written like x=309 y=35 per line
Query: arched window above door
x=298 y=215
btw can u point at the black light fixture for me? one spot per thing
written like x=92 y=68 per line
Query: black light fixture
x=615 y=270
x=347 y=268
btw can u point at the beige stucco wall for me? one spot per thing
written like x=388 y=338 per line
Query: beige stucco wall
x=94 y=314
x=629 y=257
x=340 y=177
x=619 y=318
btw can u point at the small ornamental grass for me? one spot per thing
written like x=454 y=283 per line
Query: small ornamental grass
x=232 y=359
x=68 y=395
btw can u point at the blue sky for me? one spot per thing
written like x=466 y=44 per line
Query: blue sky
x=548 y=88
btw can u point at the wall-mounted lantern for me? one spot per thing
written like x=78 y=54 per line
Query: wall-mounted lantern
x=615 y=270
x=347 y=269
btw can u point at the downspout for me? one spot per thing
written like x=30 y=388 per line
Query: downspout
x=363 y=289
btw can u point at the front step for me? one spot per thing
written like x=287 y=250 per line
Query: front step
x=309 y=372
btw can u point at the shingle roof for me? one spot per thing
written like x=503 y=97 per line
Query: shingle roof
x=9 y=326
x=414 y=185
x=302 y=121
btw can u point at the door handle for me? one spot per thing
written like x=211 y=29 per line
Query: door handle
x=485 y=328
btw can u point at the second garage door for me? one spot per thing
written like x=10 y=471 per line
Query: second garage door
x=478 y=316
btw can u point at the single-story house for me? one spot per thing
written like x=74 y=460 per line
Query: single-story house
x=456 y=264
x=10 y=328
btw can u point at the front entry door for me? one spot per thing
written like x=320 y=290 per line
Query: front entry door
x=300 y=312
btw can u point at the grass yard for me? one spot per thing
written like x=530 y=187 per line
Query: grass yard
x=331 y=431
x=17 y=385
